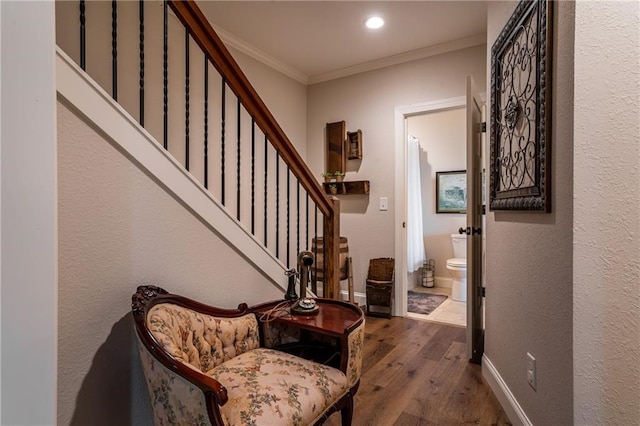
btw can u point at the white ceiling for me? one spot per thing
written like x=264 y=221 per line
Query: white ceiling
x=314 y=41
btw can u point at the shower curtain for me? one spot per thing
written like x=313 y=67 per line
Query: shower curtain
x=415 y=238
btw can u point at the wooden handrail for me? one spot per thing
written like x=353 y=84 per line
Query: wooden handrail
x=205 y=36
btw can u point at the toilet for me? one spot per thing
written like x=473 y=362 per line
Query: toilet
x=457 y=267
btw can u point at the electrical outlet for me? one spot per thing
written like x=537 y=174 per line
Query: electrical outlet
x=531 y=370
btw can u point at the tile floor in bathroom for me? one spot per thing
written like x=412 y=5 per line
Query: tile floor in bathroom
x=449 y=312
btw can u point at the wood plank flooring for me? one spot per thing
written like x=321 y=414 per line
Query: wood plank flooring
x=416 y=373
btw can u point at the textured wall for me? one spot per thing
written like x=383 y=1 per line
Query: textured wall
x=366 y=101
x=529 y=258
x=28 y=210
x=118 y=229
x=607 y=214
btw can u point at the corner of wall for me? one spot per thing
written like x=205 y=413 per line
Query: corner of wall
x=507 y=400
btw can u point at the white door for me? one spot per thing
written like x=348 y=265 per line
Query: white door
x=475 y=322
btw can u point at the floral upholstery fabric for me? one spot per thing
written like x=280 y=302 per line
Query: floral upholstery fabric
x=175 y=401
x=354 y=364
x=264 y=386
x=202 y=341
x=269 y=387
x=276 y=334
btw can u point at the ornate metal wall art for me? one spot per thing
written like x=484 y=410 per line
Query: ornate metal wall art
x=520 y=116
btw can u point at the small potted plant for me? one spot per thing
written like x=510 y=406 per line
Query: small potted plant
x=336 y=176
x=328 y=176
x=333 y=188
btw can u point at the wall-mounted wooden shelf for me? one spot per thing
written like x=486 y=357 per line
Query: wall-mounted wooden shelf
x=357 y=187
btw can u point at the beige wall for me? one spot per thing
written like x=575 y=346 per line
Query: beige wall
x=366 y=101
x=529 y=258
x=119 y=229
x=285 y=97
x=28 y=205
x=606 y=261
x=443 y=143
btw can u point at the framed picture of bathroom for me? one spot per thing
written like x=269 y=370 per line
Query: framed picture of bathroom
x=451 y=192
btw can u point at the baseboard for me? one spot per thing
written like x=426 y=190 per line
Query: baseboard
x=359 y=298
x=443 y=282
x=509 y=403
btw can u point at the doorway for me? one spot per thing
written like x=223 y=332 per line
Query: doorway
x=402 y=113
x=441 y=140
x=403 y=280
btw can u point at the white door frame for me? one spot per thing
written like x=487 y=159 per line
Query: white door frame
x=401 y=113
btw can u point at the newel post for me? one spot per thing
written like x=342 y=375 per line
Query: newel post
x=332 y=253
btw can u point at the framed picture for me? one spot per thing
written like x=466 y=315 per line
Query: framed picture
x=451 y=192
x=520 y=133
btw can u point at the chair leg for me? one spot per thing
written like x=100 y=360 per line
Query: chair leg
x=347 y=411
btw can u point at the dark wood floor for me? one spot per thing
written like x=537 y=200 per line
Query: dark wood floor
x=416 y=373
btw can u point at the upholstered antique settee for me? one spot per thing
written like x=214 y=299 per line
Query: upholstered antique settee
x=206 y=365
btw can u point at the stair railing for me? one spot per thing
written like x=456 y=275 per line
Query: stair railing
x=260 y=143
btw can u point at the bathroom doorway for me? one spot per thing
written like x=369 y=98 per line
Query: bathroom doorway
x=440 y=128
x=442 y=153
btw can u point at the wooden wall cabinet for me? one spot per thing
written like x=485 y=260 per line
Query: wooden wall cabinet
x=335 y=158
x=354 y=145
x=341 y=145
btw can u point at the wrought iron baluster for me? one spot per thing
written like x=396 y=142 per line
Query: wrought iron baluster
x=206 y=121
x=222 y=137
x=141 y=84
x=277 y=204
x=83 y=36
x=253 y=176
x=186 y=99
x=324 y=256
x=238 y=164
x=314 y=284
x=306 y=238
x=165 y=75
x=288 y=215
x=266 y=163
x=114 y=49
x=298 y=217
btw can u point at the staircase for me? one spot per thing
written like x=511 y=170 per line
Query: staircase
x=173 y=78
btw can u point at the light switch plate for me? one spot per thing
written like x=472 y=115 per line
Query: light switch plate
x=384 y=204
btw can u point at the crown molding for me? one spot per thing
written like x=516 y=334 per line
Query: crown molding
x=439 y=49
x=409 y=56
x=244 y=47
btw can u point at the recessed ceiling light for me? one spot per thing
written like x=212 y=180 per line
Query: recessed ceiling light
x=374 y=22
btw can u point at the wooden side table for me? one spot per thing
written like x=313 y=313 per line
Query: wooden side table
x=328 y=337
